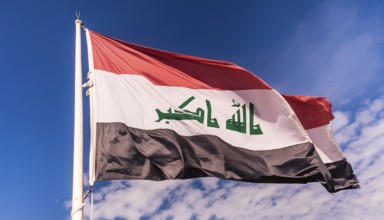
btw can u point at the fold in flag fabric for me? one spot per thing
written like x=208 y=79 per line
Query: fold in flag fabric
x=315 y=114
x=158 y=115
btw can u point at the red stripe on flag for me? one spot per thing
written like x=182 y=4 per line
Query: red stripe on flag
x=312 y=111
x=170 y=69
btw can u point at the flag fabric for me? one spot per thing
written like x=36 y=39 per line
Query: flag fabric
x=315 y=114
x=158 y=115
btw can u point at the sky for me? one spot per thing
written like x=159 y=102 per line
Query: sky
x=329 y=48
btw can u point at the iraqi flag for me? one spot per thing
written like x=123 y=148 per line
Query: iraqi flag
x=158 y=115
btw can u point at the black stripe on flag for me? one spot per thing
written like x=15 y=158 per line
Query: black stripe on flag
x=129 y=153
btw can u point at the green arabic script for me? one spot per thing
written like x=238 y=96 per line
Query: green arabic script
x=184 y=114
x=238 y=122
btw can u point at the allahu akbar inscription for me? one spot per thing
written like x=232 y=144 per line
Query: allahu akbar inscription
x=238 y=122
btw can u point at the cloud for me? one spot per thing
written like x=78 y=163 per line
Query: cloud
x=342 y=120
x=336 y=51
x=362 y=136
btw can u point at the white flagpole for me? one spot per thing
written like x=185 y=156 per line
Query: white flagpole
x=78 y=159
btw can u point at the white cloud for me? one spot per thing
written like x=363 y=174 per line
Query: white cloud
x=335 y=52
x=341 y=119
x=210 y=198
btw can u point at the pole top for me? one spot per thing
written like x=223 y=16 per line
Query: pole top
x=77 y=13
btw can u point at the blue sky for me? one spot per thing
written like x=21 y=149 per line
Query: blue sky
x=325 y=48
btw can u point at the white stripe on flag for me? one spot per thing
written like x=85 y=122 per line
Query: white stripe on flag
x=123 y=98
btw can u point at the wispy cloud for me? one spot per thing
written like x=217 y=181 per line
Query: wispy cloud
x=335 y=52
x=362 y=135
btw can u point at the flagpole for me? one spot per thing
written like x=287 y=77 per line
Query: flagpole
x=78 y=159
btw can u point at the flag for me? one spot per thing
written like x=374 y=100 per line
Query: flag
x=315 y=114
x=158 y=115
